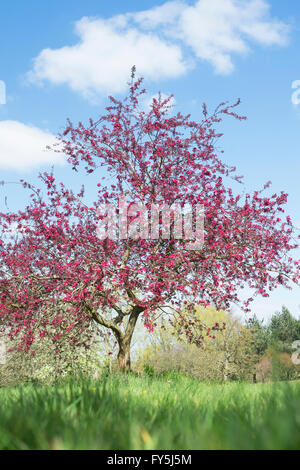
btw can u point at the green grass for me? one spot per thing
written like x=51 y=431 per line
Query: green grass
x=150 y=413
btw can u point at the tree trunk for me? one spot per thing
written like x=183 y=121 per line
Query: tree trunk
x=124 y=364
x=125 y=341
x=226 y=368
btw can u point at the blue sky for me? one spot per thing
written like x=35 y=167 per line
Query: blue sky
x=61 y=59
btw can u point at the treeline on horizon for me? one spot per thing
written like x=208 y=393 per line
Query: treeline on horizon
x=251 y=350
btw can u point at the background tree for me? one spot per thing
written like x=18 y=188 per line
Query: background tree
x=226 y=353
x=284 y=329
x=261 y=334
x=52 y=356
x=46 y=366
x=152 y=157
x=273 y=343
x=229 y=346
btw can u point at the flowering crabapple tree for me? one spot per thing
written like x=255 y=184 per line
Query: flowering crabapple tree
x=152 y=157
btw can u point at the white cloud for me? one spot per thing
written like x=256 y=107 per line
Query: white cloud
x=163 y=42
x=216 y=29
x=167 y=13
x=102 y=60
x=23 y=147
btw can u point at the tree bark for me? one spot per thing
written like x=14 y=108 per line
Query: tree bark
x=226 y=368
x=124 y=364
x=123 y=339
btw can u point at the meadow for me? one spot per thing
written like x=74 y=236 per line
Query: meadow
x=167 y=412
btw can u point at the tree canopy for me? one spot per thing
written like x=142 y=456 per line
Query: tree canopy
x=155 y=157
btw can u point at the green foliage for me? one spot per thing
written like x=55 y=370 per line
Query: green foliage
x=273 y=344
x=284 y=330
x=277 y=366
x=149 y=370
x=283 y=368
x=226 y=353
x=261 y=335
x=46 y=367
x=47 y=363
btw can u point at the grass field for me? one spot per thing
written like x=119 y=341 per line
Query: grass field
x=150 y=413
